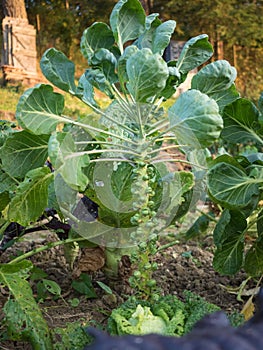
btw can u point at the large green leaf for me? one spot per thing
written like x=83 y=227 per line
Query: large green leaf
x=147 y=73
x=231 y=187
x=7 y=182
x=195 y=119
x=20 y=269
x=127 y=21
x=184 y=207
x=59 y=70
x=95 y=37
x=175 y=186
x=31 y=197
x=85 y=91
x=162 y=36
x=254 y=258
x=217 y=81
x=97 y=78
x=214 y=77
x=157 y=36
x=61 y=195
x=70 y=164
x=106 y=61
x=54 y=143
x=122 y=73
x=39 y=109
x=229 y=231
x=241 y=122
x=196 y=51
x=255 y=158
x=219 y=231
x=111 y=190
x=72 y=170
x=198 y=228
x=22 y=314
x=228 y=258
x=24 y=151
x=6 y=128
x=146 y=38
x=173 y=81
x=4 y=200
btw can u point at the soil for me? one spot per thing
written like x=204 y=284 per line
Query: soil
x=184 y=266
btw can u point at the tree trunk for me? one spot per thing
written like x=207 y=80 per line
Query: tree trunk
x=146 y=4
x=235 y=55
x=14 y=8
x=219 y=47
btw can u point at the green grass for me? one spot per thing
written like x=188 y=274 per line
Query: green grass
x=9 y=97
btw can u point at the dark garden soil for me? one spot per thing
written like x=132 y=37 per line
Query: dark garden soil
x=182 y=266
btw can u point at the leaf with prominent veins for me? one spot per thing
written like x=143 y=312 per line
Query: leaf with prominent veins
x=127 y=21
x=31 y=197
x=24 y=151
x=231 y=187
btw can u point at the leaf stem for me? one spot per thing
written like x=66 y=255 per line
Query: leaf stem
x=139 y=119
x=161 y=124
x=95 y=151
x=101 y=143
x=168 y=245
x=89 y=127
x=124 y=102
x=45 y=247
x=4 y=227
x=110 y=160
x=210 y=217
x=165 y=149
x=156 y=160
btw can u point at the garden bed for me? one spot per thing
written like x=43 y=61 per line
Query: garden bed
x=184 y=266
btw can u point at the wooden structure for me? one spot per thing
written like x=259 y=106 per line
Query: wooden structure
x=19 y=54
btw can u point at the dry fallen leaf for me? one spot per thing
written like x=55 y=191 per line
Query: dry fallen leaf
x=248 y=308
x=90 y=260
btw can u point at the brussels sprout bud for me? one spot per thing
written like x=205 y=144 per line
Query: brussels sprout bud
x=151 y=283
x=153 y=237
x=145 y=212
x=150 y=171
x=147 y=266
x=149 y=190
x=155 y=297
x=152 y=180
x=154 y=266
x=141 y=164
x=151 y=204
x=135 y=219
x=143 y=246
x=137 y=274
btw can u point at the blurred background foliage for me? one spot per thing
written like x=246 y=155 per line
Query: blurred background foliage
x=234 y=28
